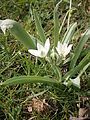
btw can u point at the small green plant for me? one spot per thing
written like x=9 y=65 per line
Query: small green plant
x=57 y=54
x=50 y=60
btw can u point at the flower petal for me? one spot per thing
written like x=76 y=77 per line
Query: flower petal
x=3 y=28
x=69 y=48
x=76 y=81
x=59 y=48
x=47 y=45
x=39 y=47
x=34 y=52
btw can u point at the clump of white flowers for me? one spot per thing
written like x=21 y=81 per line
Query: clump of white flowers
x=62 y=50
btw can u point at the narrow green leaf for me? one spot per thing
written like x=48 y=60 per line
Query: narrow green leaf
x=56 y=25
x=83 y=70
x=63 y=22
x=77 y=69
x=84 y=52
x=79 y=48
x=39 y=28
x=69 y=33
x=29 y=79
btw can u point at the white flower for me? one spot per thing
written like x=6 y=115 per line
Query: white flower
x=76 y=81
x=41 y=51
x=63 y=49
x=6 y=24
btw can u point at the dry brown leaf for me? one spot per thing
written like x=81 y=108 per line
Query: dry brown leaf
x=39 y=105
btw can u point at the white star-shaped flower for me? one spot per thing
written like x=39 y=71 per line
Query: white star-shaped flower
x=63 y=49
x=6 y=24
x=41 y=51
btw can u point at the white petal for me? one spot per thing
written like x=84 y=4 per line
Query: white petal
x=47 y=45
x=69 y=48
x=65 y=47
x=76 y=81
x=3 y=28
x=65 y=83
x=39 y=47
x=34 y=52
x=59 y=48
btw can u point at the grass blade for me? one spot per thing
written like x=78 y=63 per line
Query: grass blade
x=79 y=48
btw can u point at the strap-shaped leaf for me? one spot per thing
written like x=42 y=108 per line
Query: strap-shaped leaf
x=79 y=48
x=17 y=30
x=29 y=79
x=69 y=34
x=61 y=26
x=56 y=25
x=85 y=61
x=39 y=28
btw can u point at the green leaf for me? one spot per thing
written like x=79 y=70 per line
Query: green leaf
x=69 y=34
x=39 y=28
x=61 y=26
x=29 y=79
x=83 y=70
x=19 y=32
x=79 y=48
x=77 y=69
x=56 y=25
